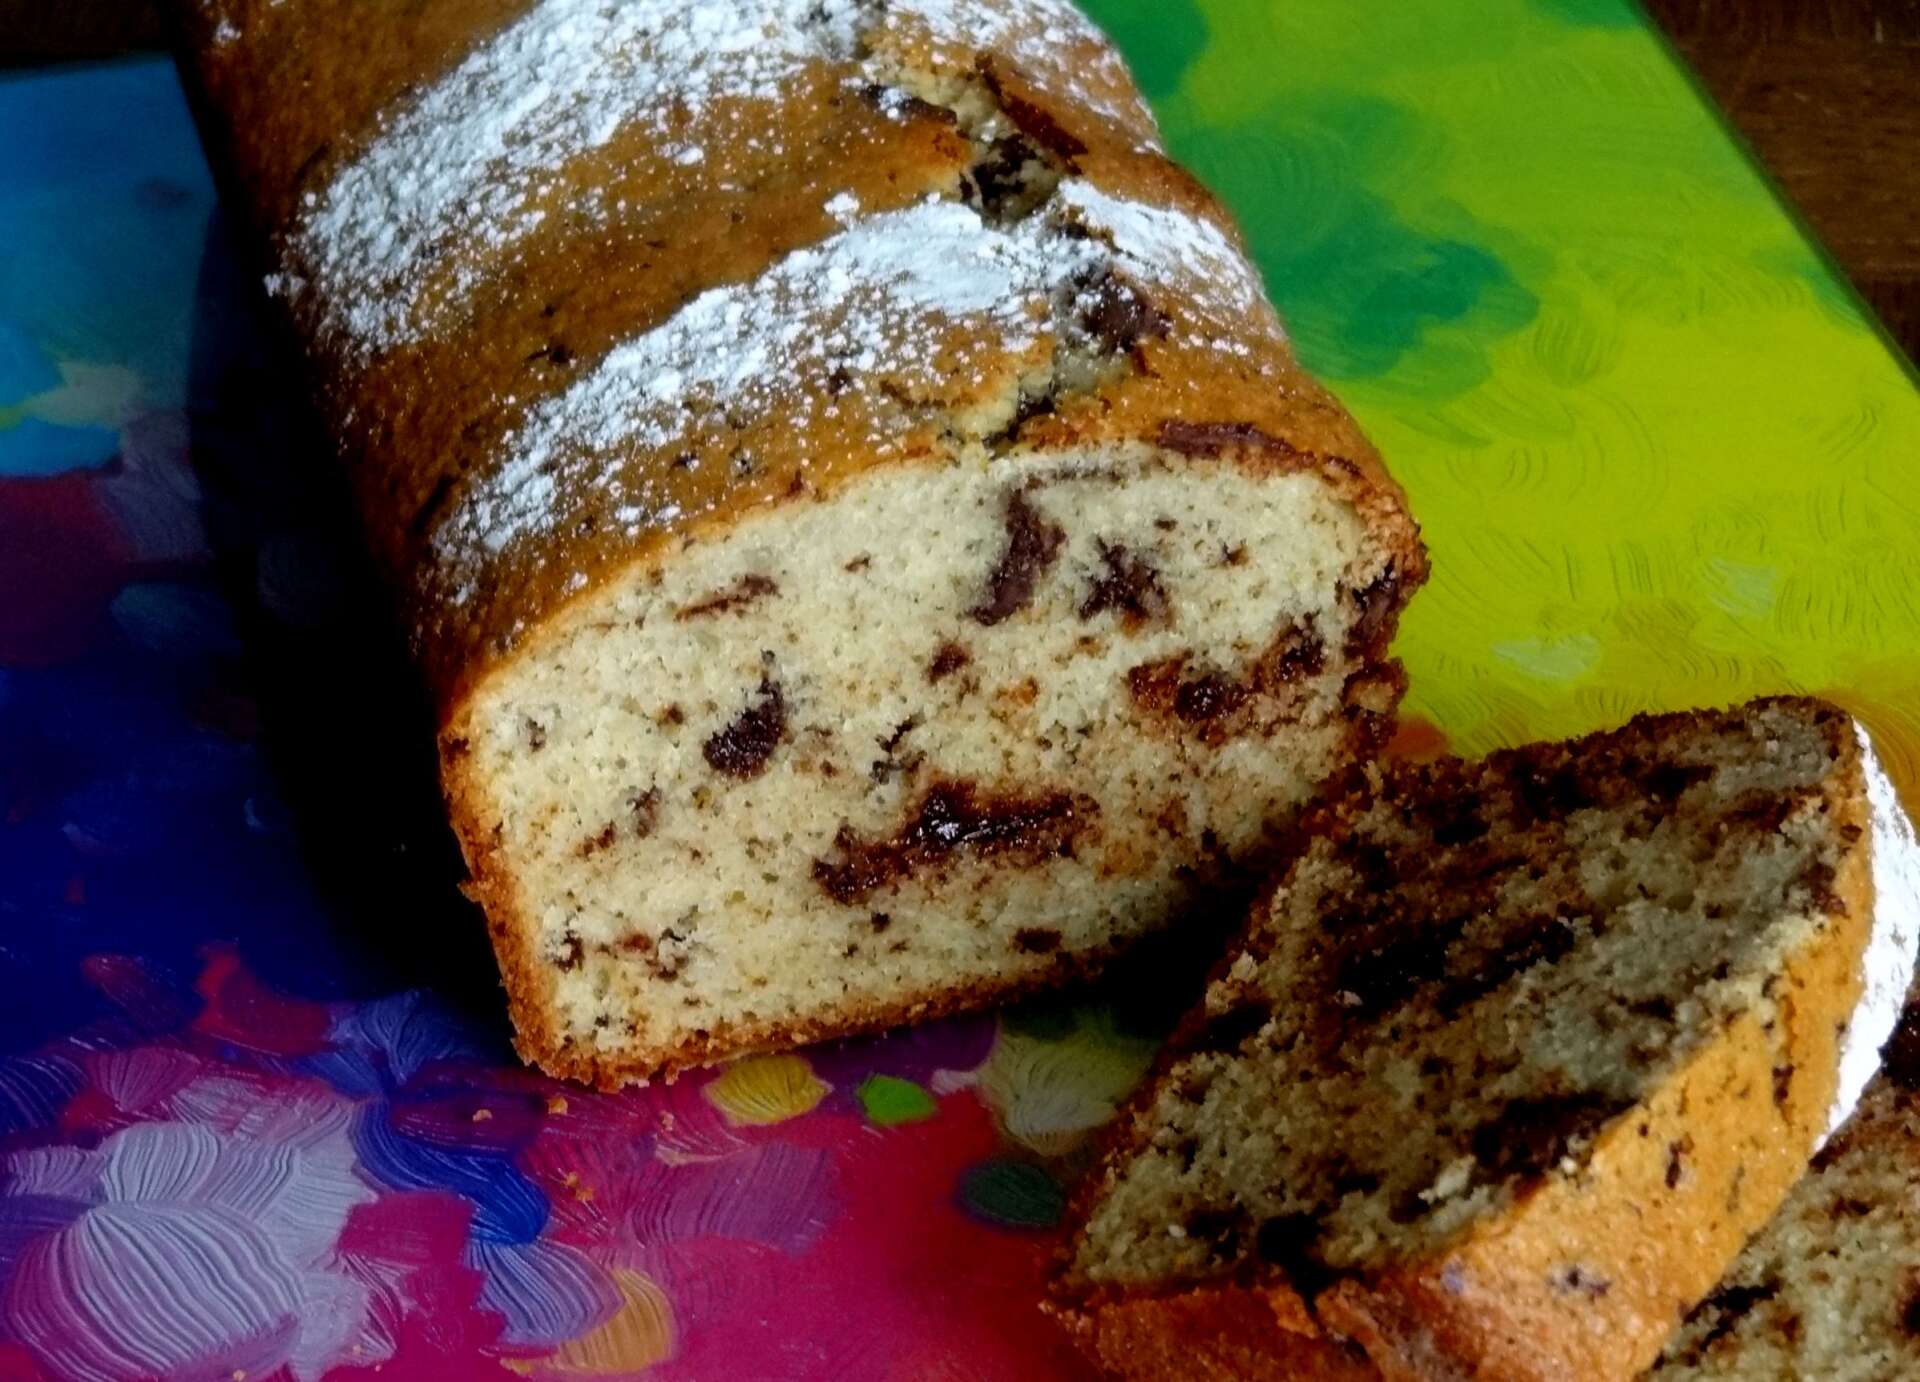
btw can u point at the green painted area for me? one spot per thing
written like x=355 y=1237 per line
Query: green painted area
x=1367 y=291
x=889 y=1100
x=1041 y=1019
x=1012 y=1194
x=1659 y=453
x=1612 y=14
x=1160 y=41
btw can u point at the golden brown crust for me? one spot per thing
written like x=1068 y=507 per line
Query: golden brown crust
x=569 y=299
x=1827 y=1289
x=417 y=418
x=279 y=147
x=527 y=979
x=1259 y=408
x=1063 y=85
x=1228 y=1332
x=1584 y=1276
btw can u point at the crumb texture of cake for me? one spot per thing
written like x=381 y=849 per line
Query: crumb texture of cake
x=867 y=537
x=1512 y=1061
x=1830 y=1288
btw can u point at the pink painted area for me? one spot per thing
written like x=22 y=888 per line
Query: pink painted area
x=204 y=1204
x=241 y=1010
x=63 y=558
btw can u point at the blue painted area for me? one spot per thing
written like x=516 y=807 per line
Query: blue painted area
x=33 y=1089
x=546 y=1292
x=379 y=1046
x=139 y=814
x=24 y=368
x=28 y=1218
x=104 y=200
x=66 y=124
x=33 y=447
x=507 y=1207
x=116 y=786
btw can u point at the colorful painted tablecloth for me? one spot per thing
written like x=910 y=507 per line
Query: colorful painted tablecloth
x=257 y=1111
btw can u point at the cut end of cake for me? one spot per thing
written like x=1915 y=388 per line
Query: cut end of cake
x=1492 y=1011
x=857 y=516
x=963 y=731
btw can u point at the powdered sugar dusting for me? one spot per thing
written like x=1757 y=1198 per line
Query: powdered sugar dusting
x=1170 y=248
x=1048 y=38
x=826 y=322
x=994 y=23
x=406 y=232
x=865 y=299
x=464 y=163
x=1888 y=968
x=226 y=30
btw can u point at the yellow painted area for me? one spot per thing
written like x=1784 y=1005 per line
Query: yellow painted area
x=1661 y=456
x=763 y=1090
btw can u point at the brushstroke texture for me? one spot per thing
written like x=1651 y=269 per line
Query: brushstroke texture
x=1659 y=455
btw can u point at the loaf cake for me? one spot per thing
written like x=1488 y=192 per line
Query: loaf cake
x=869 y=545
x=1506 y=1068
x=1830 y=1288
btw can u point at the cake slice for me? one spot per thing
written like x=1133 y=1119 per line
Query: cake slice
x=869 y=543
x=1830 y=1288
x=1504 y=1071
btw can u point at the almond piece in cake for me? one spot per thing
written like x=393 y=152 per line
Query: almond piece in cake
x=1505 y=1070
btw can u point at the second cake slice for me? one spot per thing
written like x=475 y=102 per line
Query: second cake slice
x=1505 y=1071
